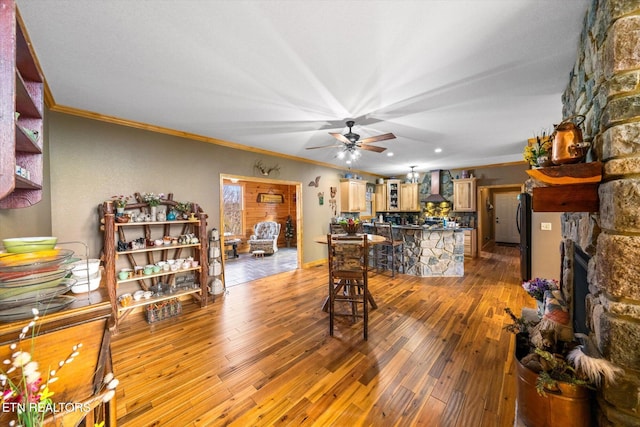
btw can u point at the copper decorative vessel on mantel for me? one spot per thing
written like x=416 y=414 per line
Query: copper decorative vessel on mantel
x=568 y=145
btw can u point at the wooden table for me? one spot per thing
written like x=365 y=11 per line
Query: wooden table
x=231 y=248
x=374 y=239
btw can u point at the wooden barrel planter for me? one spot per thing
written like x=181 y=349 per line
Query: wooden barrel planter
x=569 y=406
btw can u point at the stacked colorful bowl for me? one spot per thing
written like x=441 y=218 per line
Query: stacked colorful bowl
x=33 y=274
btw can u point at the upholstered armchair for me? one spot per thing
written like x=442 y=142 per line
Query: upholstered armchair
x=265 y=237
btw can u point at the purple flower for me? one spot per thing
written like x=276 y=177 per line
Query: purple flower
x=537 y=287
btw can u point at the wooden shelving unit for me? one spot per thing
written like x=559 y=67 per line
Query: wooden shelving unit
x=21 y=137
x=570 y=188
x=114 y=231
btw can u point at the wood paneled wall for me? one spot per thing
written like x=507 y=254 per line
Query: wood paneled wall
x=256 y=212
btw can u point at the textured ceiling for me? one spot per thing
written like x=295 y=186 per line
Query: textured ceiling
x=474 y=78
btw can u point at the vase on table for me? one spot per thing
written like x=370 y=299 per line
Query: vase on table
x=540 y=306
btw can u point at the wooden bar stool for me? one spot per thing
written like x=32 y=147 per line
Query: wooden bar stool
x=348 y=277
x=390 y=254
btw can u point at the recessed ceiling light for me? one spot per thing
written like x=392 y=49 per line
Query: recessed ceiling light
x=390 y=153
x=438 y=150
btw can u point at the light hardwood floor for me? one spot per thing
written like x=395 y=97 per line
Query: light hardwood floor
x=437 y=355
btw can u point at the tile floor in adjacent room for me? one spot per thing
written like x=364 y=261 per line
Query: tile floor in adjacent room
x=246 y=267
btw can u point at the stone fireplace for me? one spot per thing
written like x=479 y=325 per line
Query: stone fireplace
x=604 y=86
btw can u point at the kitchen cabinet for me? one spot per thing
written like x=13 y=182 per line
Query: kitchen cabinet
x=381 y=198
x=409 y=197
x=353 y=195
x=393 y=195
x=464 y=195
x=21 y=114
x=471 y=243
x=167 y=285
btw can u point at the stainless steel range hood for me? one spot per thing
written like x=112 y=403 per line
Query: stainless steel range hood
x=435 y=196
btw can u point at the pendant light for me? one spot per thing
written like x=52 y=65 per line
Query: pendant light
x=413 y=175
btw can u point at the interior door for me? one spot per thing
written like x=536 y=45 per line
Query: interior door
x=506 y=226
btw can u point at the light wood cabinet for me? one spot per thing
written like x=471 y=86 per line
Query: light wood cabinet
x=381 y=198
x=409 y=197
x=470 y=243
x=21 y=90
x=353 y=195
x=464 y=195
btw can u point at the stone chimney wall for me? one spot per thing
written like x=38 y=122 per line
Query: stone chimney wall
x=604 y=86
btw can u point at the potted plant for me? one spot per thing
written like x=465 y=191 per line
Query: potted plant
x=556 y=371
x=288 y=230
x=350 y=225
x=153 y=200
x=537 y=287
x=538 y=151
x=120 y=202
x=183 y=208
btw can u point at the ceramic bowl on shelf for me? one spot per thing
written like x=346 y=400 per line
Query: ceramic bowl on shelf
x=137 y=295
x=84 y=286
x=19 y=245
x=147 y=294
x=85 y=267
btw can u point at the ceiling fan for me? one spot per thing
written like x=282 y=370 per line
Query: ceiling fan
x=351 y=141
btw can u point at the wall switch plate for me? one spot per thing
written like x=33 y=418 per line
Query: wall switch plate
x=545 y=226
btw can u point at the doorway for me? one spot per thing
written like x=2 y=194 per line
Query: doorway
x=282 y=202
x=506 y=205
x=487 y=213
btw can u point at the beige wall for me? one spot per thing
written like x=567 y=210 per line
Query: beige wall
x=91 y=161
x=545 y=245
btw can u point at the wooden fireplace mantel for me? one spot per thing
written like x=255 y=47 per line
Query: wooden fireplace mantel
x=569 y=188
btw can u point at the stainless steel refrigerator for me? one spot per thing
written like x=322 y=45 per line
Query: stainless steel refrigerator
x=523 y=220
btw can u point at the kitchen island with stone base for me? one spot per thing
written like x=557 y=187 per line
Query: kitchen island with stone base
x=433 y=252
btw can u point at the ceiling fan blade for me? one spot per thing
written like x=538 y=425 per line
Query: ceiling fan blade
x=325 y=146
x=340 y=137
x=372 y=148
x=377 y=138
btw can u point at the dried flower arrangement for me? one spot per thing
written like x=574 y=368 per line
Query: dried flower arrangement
x=24 y=390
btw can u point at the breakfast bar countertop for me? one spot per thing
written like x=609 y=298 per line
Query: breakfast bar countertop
x=431 y=250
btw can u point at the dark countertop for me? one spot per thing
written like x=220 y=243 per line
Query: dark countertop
x=422 y=227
